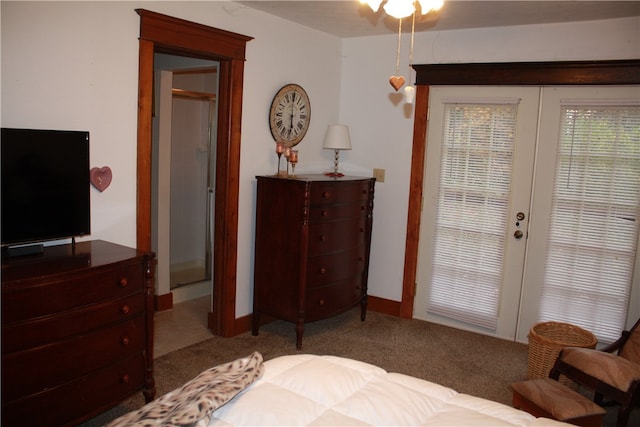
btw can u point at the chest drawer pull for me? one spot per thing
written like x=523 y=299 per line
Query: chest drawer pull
x=361 y=230
x=125 y=341
x=324 y=213
x=326 y=195
x=323 y=270
x=125 y=379
x=321 y=302
x=125 y=309
x=123 y=282
x=323 y=238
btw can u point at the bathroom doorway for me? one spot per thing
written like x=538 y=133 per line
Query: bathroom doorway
x=165 y=34
x=184 y=139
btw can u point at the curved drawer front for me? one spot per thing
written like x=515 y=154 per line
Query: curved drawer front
x=95 y=351
x=327 y=301
x=327 y=213
x=339 y=266
x=92 y=394
x=338 y=192
x=325 y=238
x=42 y=298
x=44 y=330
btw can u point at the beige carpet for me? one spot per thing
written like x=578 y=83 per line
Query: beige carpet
x=467 y=362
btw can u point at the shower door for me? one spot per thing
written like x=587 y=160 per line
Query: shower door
x=191 y=189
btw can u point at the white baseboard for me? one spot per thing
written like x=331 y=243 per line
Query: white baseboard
x=192 y=291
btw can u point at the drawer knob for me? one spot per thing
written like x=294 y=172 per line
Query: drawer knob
x=123 y=282
x=323 y=270
x=321 y=302
x=323 y=238
x=125 y=309
x=361 y=230
x=324 y=213
x=325 y=195
x=125 y=379
x=362 y=208
x=125 y=341
x=360 y=259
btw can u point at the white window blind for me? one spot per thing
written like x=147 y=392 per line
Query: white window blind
x=473 y=198
x=594 y=221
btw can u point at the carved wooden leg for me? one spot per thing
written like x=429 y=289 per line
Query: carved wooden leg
x=255 y=328
x=299 y=333
x=363 y=308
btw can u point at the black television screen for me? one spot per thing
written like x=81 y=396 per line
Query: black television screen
x=45 y=185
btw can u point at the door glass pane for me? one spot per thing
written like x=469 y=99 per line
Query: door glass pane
x=591 y=247
x=472 y=206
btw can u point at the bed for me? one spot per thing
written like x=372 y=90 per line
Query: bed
x=312 y=390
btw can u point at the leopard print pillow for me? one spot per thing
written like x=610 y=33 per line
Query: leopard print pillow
x=193 y=403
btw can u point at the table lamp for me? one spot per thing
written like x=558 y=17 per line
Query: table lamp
x=337 y=138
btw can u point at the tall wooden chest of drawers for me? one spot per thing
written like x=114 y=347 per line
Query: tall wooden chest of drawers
x=313 y=235
x=77 y=332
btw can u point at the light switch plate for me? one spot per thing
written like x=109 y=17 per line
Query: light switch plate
x=378 y=174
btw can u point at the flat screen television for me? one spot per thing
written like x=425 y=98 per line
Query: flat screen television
x=45 y=185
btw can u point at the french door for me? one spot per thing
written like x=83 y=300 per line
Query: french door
x=494 y=203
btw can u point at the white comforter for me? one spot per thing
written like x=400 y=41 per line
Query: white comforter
x=308 y=390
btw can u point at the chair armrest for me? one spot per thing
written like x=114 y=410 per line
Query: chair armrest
x=617 y=344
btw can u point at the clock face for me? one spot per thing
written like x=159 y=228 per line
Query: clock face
x=290 y=114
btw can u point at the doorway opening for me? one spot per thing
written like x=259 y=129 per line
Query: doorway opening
x=184 y=142
x=164 y=34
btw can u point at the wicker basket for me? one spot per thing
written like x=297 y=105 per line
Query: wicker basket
x=546 y=339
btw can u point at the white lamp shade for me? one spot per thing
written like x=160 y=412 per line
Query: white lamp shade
x=373 y=4
x=399 y=8
x=337 y=138
x=429 y=5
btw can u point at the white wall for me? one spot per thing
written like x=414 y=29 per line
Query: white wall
x=381 y=124
x=74 y=65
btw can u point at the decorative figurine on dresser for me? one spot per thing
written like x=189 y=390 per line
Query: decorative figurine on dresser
x=313 y=235
x=77 y=332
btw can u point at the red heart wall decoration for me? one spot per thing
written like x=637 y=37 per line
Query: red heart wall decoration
x=100 y=177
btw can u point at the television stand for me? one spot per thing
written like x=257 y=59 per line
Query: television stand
x=18 y=251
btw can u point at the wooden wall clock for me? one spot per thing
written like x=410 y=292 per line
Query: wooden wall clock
x=290 y=114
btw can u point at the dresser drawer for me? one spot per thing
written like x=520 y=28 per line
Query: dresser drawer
x=40 y=298
x=326 y=213
x=323 y=270
x=47 y=329
x=327 y=301
x=336 y=192
x=325 y=238
x=38 y=369
x=83 y=397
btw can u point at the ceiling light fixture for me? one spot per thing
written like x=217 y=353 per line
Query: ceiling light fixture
x=401 y=9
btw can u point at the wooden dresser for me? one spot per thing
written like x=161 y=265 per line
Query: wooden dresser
x=313 y=235
x=77 y=332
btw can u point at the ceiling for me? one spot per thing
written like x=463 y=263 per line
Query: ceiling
x=350 y=18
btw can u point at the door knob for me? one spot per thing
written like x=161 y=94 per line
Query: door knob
x=518 y=234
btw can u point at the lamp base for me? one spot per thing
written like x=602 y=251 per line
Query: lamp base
x=334 y=174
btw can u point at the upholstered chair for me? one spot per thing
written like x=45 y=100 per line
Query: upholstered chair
x=612 y=373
